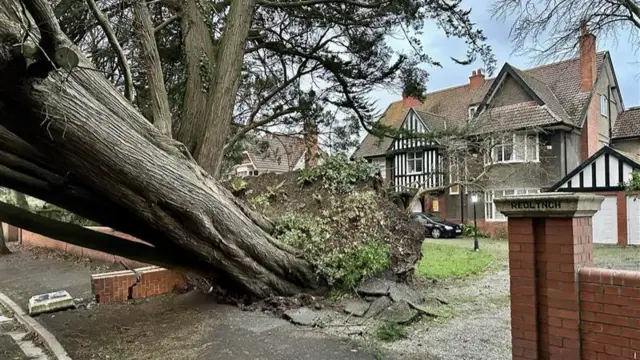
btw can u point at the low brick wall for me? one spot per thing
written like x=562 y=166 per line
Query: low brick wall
x=139 y=283
x=491 y=227
x=32 y=239
x=610 y=313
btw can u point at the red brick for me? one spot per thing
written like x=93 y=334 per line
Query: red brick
x=611 y=339
x=630 y=333
x=564 y=333
x=630 y=354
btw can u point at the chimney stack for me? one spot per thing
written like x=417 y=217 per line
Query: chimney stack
x=311 y=143
x=476 y=80
x=587 y=58
x=409 y=102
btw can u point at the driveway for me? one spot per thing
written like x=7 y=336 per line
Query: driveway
x=187 y=326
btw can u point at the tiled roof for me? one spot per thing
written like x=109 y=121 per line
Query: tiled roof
x=433 y=121
x=513 y=117
x=557 y=84
x=276 y=153
x=628 y=124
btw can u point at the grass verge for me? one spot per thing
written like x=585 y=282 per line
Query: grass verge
x=441 y=261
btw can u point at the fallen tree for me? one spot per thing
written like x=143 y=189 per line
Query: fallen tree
x=68 y=137
x=71 y=139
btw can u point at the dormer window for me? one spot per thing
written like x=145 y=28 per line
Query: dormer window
x=472 y=111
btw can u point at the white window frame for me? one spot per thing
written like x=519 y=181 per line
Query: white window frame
x=518 y=141
x=455 y=189
x=471 y=111
x=418 y=158
x=490 y=212
x=604 y=105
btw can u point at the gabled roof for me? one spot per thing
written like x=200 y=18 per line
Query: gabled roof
x=628 y=124
x=433 y=122
x=557 y=85
x=607 y=169
x=276 y=153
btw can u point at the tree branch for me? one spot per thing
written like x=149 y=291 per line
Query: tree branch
x=256 y=124
x=159 y=97
x=113 y=41
x=80 y=236
x=278 y=4
x=165 y=23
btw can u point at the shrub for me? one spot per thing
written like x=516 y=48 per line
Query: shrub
x=338 y=173
x=307 y=176
x=389 y=332
x=469 y=231
x=500 y=234
x=259 y=202
x=238 y=186
x=343 y=262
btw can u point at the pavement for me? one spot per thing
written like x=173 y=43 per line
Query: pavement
x=186 y=326
x=16 y=343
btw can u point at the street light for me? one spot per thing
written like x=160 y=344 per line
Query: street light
x=474 y=200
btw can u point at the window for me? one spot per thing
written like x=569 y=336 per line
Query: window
x=472 y=111
x=414 y=162
x=515 y=148
x=490 y=212
x=454 y=175
x=604 y=106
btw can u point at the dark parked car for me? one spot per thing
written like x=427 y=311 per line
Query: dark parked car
x=436 y=227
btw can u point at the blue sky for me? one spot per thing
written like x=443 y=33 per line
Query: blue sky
x=625 y=61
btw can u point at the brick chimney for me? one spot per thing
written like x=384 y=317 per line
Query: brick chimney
x=476 y=80
x=410 y=101
x=311 y=143
x=587 y=58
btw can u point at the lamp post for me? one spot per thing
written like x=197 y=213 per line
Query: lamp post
x=474 y=200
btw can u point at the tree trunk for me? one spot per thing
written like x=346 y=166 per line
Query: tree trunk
x=199 y=63
x=158 y=92
x=98 y=146
x=209 y=151
x=21 y=200
x=4 y=250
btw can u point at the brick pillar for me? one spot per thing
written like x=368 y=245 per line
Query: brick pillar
x=549 y=241
x=622 y=218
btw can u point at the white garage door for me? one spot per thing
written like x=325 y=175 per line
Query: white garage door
x=417 y=207
x=605 y=222
x=633 y=220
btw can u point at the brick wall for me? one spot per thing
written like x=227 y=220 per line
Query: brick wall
x=139 y=283
x=610 y=314
x=491 y=227
x=561 y=307
x=37 y=240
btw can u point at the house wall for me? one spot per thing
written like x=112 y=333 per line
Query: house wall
x=573 y=149
x=602 y=87
x=630 y=146
x=432 y=174
x=509 y=93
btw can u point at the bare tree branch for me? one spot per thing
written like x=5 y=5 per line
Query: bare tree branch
x=113 y=41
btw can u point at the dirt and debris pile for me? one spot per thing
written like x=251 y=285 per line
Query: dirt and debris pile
x=340 y=217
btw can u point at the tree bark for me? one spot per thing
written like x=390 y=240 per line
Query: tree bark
x=200 y=67
x=21 y=200
x=159 y=99
x=209 y=151
x=109 y=151
x=4 y=250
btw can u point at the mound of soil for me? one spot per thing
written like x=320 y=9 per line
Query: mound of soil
x=405 y=237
